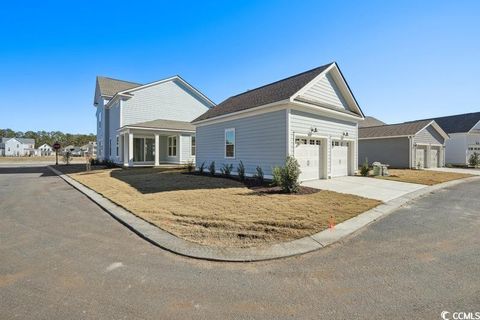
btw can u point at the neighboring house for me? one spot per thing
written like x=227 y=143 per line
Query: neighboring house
x=418 y=144
x=312 y=116
x=17 y=147
x=44 y=150
x=147 y=124
x=89 y=149
x=74 y=151
x=464 y=132
x=370 y=122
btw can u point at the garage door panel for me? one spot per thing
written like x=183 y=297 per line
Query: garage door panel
x=434 y=153
x=339 y=159
x=420 y=157
x=308 y=153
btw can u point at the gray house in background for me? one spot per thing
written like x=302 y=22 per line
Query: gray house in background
x=312 y=116
x=417 y=144
x=464 y=136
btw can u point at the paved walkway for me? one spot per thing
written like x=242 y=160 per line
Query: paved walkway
x=62 y=257
x=384 y=190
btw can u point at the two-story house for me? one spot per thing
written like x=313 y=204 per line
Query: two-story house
x=17 y=147
x=144 y=125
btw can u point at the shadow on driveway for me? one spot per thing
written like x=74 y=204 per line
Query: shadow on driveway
x=42 y=171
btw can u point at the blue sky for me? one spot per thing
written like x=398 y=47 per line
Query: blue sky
x=404 y=60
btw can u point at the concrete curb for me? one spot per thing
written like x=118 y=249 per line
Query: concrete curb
x=169 y=242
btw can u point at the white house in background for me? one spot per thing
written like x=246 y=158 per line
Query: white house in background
x=17 y=147
x=89 y=149
x=312 y=116
x=145 y=125
x=44 y=150
x=464 y=132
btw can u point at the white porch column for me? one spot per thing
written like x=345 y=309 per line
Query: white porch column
x=157 y=150
x=125 y=150
x=130 y=149
x=120 y=148
x=429 y=155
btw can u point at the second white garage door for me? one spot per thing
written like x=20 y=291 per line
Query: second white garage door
x=434 y=154
x=339 y=158
x=308 y=153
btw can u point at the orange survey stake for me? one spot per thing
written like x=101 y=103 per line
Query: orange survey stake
x=331 y=223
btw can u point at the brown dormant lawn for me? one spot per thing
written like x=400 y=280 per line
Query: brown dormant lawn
x=217 y=211
x=427 y=177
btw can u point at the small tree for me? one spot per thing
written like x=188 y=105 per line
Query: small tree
x=190 y=166
x=290 y=174
x=226 y=170
x=241 y=171
x=211 y=168
x=365 y=169
x=474 y=160
x=67 y=157
x=259 y=178
x=201 y=168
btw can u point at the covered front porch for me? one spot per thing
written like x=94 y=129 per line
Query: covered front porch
x=155 y=142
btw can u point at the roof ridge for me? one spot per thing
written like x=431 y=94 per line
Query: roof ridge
x=275 y=82
x=399 y=123
x=110 y=78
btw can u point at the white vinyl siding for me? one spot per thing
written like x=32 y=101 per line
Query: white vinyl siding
x=186 y=149
x=326 y=92
x=301 y=124
x=260 y=141
x=170 y=100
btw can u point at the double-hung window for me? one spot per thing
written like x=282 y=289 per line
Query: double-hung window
x=117 y=144
x=172 y=146
x=193 y=145
x=230 y=143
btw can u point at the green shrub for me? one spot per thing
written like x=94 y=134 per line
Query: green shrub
x=201 y=168
x=258 y=176
x=290 y=174
x=241 y=171
x=474 y=160
x=226 y=170
x=365 y=169
x=277 y=176
x=211 y=168
x=189 y=166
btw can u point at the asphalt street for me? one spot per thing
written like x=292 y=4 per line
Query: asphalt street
x=62 y=257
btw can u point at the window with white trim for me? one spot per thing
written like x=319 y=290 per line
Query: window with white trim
x=117 y=145
x=230 y=143
x=194 y=145
x=109 y=147
x=172 y=146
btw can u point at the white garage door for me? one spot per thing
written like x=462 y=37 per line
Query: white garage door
x=339 y=158
x=420 y=157
x=434 y=157
x=308 y=153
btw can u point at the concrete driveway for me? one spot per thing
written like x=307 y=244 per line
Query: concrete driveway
x=458 y=170
x=383 y=190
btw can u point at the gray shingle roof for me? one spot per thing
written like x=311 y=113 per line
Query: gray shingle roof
x=458 y=123
x=370 y=122
x=273 y=92
x=165 y=124
x=21 y=140
x=109 y=87
x=392 y=130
